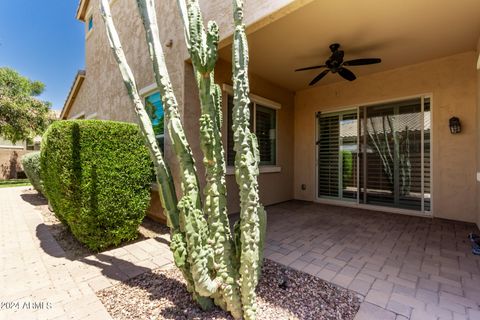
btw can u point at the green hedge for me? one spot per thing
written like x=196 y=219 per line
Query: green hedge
x=31 y=166
x=97 y=176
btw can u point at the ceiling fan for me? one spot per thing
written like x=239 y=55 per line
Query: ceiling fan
x=335 y=64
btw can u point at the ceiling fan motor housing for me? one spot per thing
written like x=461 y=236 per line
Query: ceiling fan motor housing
x=335 y=61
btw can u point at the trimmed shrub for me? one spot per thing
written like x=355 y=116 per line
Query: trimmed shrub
x=31 y=167
x=96 y=175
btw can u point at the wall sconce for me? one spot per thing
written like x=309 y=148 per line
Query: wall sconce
x=455 y=126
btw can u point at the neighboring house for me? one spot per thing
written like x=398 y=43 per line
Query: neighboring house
x=10 y=155
x=381 y=142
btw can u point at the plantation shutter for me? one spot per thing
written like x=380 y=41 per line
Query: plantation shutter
x=266 y=134
x=395 y=148
x=328 y=157
x=426 y=154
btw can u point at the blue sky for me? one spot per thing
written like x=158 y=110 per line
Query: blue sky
x=42 y=40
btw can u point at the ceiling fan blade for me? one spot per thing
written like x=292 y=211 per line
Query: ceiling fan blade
x=361 y=62
x=346 y=74
x=310 y=68
x=319 y=77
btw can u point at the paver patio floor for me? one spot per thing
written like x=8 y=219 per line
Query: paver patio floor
x=405 y=267
x=38 y=282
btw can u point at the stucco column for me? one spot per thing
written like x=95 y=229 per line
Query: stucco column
x=478 y=134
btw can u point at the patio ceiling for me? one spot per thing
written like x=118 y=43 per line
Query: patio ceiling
x=400 y=32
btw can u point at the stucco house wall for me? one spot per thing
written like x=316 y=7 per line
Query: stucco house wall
x=103 y=93
x=478 y=133
x=452 y=81
x=83 y=104
x=10 y=163
x=103 y=82
x=10 y=158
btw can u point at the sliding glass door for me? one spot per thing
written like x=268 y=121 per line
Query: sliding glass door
x=338 y=150
x=377 y=155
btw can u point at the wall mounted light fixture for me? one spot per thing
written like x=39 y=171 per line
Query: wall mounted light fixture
x=455 y=126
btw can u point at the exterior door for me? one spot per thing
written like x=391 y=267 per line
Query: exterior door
x=337 y=155
x=395 y=160
x=377 y=155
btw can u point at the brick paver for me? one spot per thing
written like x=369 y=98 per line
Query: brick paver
x=38 y=282
x=402 y=267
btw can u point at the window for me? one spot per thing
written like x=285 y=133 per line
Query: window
x=154 y=107
x=90 y=23
x=263 y=121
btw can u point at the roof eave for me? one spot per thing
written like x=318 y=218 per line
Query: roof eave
x=77 y=83
x=82 y=10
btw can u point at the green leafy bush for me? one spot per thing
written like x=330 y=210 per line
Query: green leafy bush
x=31 y=166
x=347 y=162
x=96 y=175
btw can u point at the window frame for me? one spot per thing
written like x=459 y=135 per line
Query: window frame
x=144 y=94
x=90 y=23
x=89 y=17
x=263 y=102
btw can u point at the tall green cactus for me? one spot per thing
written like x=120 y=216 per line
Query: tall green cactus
x=252 y=214
x=216 y=266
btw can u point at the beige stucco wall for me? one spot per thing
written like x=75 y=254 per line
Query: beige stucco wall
x=452 y=81
x=82 y=103
x=478 y=132
x=274 y=187
x=103 y=91
x=453 y=84
x=10 y=163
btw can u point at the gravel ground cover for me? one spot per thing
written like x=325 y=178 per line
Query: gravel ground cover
x=73 y=248
x=283 y=293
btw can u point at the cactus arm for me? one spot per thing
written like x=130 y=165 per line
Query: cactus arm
x=164 y=179
x=246 y=168
x=202 y=45
x=262 y=214
x=262 y=220
x=163 y=175
x=190 y=205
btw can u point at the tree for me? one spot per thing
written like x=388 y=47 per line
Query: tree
x=218 y=267
x=22 y=115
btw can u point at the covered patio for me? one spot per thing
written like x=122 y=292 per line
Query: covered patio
x=415 y=261
x=405 y=267
x=383 y=139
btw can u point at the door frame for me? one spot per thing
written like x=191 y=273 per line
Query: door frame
x=357 y=204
